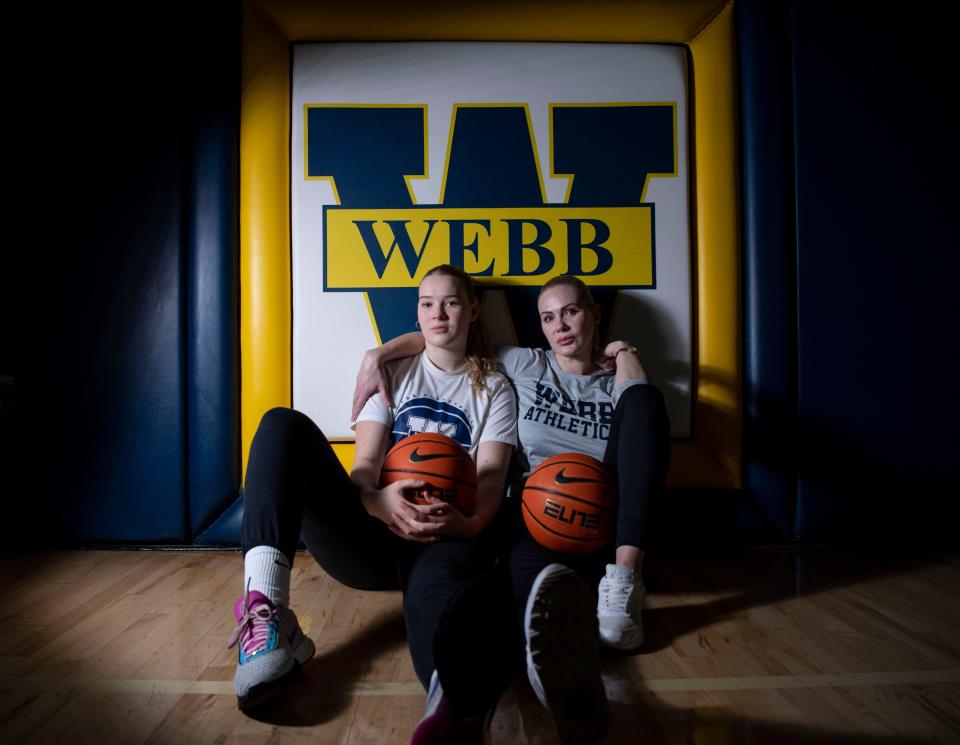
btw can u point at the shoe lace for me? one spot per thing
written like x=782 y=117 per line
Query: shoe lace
x=615 y=596
x=255 y=628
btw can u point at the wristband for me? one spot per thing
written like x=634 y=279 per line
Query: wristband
x=631 y=350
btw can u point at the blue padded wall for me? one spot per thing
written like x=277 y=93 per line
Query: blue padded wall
x=126 y=360
x=876 y=158
x=100 y=364
x=769 y=258
x=212 y=336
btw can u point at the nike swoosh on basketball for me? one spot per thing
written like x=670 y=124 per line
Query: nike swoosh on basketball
x=562 y=478
x=415 y=456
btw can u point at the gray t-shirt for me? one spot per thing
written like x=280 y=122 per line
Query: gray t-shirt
x=559 y=412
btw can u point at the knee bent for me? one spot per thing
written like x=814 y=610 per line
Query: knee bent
x=647 y=398
x=283 y=420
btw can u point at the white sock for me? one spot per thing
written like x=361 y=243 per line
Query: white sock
x=268 y=571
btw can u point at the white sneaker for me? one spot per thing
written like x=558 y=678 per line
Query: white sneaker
x=561 y=633
x=618 y=608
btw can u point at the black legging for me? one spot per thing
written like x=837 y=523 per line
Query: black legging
x=638 y=454
x=296 y=486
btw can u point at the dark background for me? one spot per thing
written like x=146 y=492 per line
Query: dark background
x=119 y=346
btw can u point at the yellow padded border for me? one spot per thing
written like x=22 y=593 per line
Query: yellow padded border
x=717 y=413
x=265 y=290
x=711 y=459
x=632 y=21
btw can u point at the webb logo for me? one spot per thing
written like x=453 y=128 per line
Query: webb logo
x=492 y=219
x=509 y=245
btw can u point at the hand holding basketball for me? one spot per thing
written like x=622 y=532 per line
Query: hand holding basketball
x=392 y=506
x=449 y=522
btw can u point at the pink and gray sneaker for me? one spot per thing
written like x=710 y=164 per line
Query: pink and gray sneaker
x=272 y=649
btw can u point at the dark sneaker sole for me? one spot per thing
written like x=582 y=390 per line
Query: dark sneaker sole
x=263 y=692
x=466 y=667
x=565 y=650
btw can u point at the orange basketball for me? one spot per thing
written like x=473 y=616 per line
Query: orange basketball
x=570 y=504
x=439 y=460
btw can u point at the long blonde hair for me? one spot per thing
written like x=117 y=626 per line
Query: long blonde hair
x=480 y=360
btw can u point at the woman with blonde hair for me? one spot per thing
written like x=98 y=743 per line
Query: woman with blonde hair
x=374 y=538
x=577 y=396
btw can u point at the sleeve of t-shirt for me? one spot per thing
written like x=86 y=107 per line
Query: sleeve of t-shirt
x=501 y=424
x=375 y=410
x=515 y=362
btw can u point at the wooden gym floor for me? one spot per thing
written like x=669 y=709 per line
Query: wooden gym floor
x=767 y=645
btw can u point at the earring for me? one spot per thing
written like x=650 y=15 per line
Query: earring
x=417 y=324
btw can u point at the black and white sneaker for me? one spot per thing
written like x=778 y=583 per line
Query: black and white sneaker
x=562 y=639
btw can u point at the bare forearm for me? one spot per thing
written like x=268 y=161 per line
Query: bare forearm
x=372 y=376
x=365 y=475
x=627 y=362
x=405 y=345
x=488 y=504
x=368 y=458
x=492 y=464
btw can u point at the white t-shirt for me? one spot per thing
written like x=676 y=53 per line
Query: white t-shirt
x=427 y=399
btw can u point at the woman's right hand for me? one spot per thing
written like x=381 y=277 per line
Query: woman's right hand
x=392 y=506
x=371 y=378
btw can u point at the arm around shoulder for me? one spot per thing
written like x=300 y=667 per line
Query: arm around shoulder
x=372 y=376
x=517 y=362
